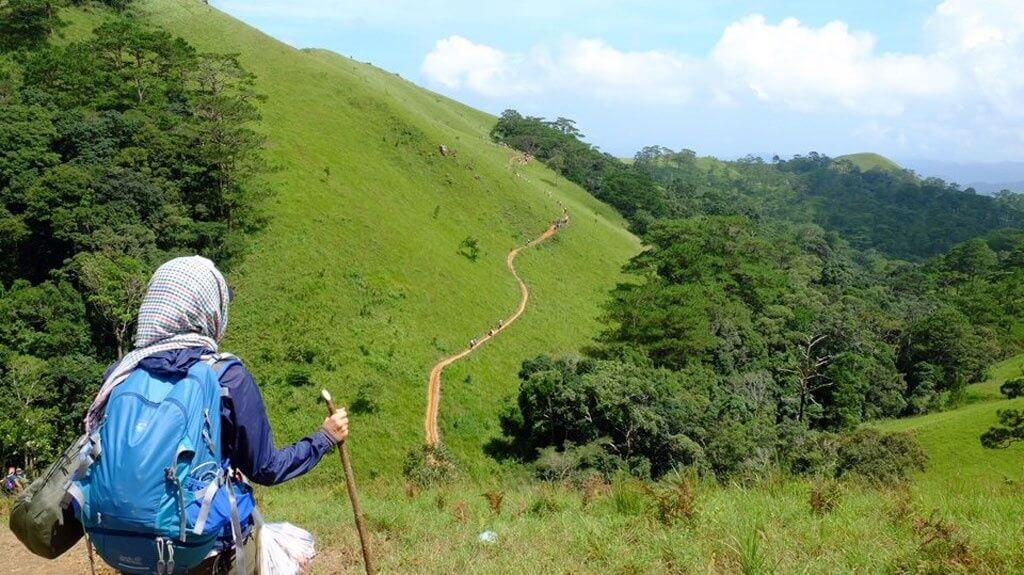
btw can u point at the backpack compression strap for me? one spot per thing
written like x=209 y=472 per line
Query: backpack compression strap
x=220 y=362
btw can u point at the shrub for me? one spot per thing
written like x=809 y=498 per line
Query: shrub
x=675 y=499
x=572 y=414
x=428 y=465
x=1012 y=388
x=814 y=454
x=495 y=499
x=944 y=547
x=1010 y=430
x=469 y=248
x=366 y=397
x=545 y=504
x=593 y=486
x=879 y=457
x=298 y=376
x=824 y=497
x=629 y=496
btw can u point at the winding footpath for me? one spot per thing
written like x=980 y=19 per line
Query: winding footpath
x=430 y=426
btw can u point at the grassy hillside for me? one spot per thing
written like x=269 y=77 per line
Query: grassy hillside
x=951 y=437
x=970 y=494
x=357 y=280
x=872 y=161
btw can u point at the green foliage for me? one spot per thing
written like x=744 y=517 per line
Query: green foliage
x=429 y=465
x=651 y=420
x=889 y=210
x=824 y=497
x=49 y=398
x=114 y=285
x=943 y=351
x=1012 y=388
x=469 y=248
x=892 y=211
x=367 y=398
x=761 y=306
x=559 y=144
x=46 y=320
x=879 y=457
x=1009 y=430
x=118 y=149
x=26 y=24
x=576 y=463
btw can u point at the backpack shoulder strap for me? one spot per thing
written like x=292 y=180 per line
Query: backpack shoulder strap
x=219 y=363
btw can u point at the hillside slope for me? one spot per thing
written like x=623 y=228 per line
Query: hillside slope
x=357 y=280
x=952 y=438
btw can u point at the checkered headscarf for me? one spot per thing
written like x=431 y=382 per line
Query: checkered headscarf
x=186 y=305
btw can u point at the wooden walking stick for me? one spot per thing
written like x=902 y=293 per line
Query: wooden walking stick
x=350 y=484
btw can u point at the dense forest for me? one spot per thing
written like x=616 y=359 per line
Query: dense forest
x=893 y=212
x=118 y=150
x=768 y=315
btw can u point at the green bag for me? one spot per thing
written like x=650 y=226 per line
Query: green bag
x=40 y=518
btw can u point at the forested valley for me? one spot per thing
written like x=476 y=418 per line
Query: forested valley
x=776 y=306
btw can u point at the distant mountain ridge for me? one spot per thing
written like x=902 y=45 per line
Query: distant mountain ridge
x=985 y=177
x=989 y=188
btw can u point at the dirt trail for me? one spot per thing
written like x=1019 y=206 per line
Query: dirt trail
x=19 y=561
x=430 y=426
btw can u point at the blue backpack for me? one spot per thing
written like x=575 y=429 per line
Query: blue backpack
x=151 y=489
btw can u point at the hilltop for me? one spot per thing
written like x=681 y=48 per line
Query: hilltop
x=871 y=161
x=357 y=282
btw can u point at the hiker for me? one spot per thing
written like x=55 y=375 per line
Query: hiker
x=181 y=321
x=13 y=482
x=472 y=343
x=501 y=322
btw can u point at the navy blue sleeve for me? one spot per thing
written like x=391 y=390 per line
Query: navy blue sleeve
x=248 y=441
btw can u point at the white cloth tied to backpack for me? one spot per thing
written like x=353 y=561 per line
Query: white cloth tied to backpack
x=186 y=305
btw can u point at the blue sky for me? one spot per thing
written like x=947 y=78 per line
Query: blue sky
x=910 y=78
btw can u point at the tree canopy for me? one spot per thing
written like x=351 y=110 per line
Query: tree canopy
x=117 y=152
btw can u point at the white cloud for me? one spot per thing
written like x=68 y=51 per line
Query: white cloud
x=978 y=53
x=456 y=62
x=589 y=67
x=962 y=91
x=985 y=39
x=652 y=75
x=814 y=68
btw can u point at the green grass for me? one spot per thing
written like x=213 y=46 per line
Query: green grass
x=871 y=161
x=951 y=438
x=358 y=266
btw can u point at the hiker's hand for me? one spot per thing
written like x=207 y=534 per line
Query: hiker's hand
x=337 y=425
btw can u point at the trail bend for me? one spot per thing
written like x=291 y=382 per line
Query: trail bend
x=431 y=429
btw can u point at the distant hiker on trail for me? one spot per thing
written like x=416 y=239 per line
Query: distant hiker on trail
x=209 y=423
x=14 y=481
